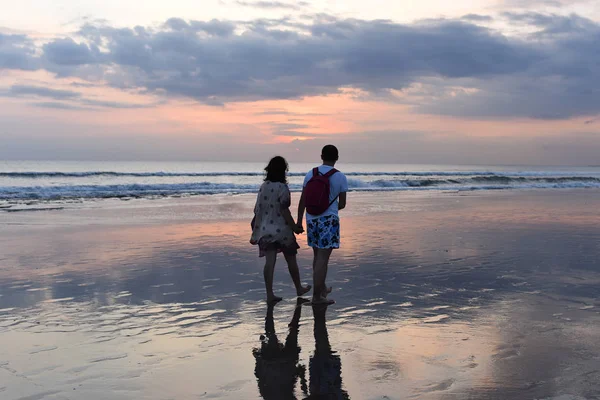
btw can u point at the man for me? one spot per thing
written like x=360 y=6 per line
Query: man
x=323 y=227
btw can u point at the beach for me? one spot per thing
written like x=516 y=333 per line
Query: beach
x=439 y=295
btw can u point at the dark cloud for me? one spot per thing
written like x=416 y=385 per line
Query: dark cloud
x=17 y=52
x=68 y=52
x=477 y=18
x=56 y=94
x=40 y=91
x=213 y=27
x=114 y=104
x=276 y=64
x=58 y=106
x=552 y=24
x=550 y=73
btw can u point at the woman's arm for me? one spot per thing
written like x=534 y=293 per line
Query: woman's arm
x=287 y=216
x=301 y=209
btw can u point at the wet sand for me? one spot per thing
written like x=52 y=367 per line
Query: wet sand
x=439 y=296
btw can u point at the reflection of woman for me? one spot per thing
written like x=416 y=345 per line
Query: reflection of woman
x=325 y=366
x=277 y=368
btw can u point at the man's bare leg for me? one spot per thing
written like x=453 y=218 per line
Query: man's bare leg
x=328 y=288
x=319 y=276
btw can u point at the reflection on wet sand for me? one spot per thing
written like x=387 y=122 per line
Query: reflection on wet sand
x=278 y=367
x=325 y=365
x=458 y=297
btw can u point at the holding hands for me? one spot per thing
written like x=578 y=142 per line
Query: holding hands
x=298 y=228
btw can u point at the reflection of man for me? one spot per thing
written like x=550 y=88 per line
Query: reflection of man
x=277 y=368
x=325 y=366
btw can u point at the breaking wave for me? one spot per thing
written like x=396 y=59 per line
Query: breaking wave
x=417 y=181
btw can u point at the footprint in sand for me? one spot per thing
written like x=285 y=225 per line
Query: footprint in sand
x=436 y=387
x=505 y=352
x=43 y=349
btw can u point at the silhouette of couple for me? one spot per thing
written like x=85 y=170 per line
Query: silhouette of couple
x=274 y=229
x=278 y=368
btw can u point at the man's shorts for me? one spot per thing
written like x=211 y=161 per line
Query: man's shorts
x=324 y=232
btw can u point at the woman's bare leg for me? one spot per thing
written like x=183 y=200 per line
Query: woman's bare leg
x=295 y=274
x=268 y=272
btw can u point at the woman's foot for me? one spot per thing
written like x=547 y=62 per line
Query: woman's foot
x=303 y=290
x=273 y=299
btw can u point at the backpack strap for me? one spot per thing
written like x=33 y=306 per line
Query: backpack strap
x=329 y=175
x=315 y=171
x=331 y=172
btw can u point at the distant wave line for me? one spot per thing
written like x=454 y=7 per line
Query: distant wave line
x=84 y=174
x=74 y=192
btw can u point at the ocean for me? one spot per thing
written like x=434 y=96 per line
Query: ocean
x=29 y=182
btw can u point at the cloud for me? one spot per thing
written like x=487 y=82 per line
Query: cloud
x=68 y=95
x=274 y=112
x=287 y=126
x=17 y=52
x=539 y=3
x=257 y=65
x=552 y=24
x=296 y=134
x=477 y=18
x=213 y=27
x=271 y=5
x=68 y=52
x=471 y=70
x=58 y=105
x=39 y=91
x=115 y=104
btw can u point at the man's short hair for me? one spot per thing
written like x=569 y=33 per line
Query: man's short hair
x=330 y=153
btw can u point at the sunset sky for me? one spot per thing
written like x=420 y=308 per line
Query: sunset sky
x=429 y=81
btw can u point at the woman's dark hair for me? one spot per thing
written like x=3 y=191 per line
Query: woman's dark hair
x=276 y=170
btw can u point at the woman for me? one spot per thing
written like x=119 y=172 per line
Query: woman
x=274 y=228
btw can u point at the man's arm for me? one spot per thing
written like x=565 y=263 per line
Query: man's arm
x=301 y=209
x=342 y=201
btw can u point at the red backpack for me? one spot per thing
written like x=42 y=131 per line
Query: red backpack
x=316 y=192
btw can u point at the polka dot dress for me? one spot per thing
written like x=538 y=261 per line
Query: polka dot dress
x=270 y=229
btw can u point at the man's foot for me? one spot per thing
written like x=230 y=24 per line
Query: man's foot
x=301 y=300
x=303 y=290
x=273 y=299
x=321 y=301
x=327 y=291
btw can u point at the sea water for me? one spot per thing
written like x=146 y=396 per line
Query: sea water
x=58 y=181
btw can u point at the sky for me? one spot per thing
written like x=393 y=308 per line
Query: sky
x=429 y=81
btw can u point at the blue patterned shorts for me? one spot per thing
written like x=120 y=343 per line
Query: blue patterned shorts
x=324 y=232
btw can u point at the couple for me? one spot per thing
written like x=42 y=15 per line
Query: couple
x=273 y=227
